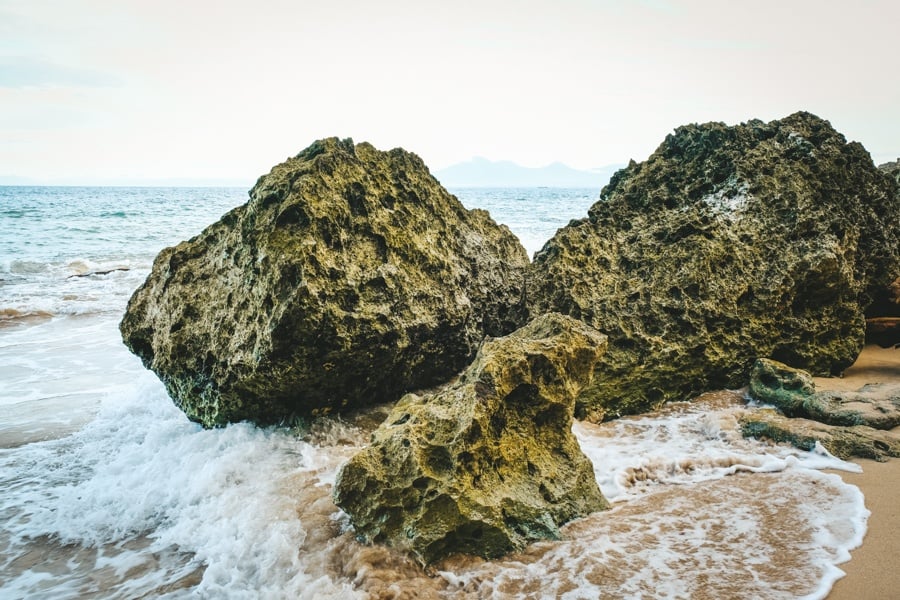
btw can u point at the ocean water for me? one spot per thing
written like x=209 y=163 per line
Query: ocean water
x=108 y=491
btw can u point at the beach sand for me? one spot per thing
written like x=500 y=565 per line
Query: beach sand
x=873 y=572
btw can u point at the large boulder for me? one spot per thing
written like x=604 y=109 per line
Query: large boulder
x=487 y=463
x=728 y=243
x=884 y=312
x=350 y=277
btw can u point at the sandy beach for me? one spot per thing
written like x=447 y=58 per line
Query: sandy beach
x=872 y=572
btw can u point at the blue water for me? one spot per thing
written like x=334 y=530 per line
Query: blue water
x=108 y=491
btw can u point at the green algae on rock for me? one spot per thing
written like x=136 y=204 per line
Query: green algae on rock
x=784 y=387
x=350 y=277
x=793 y=392
x=489 y=462
x=727 y=244
x=843 y=441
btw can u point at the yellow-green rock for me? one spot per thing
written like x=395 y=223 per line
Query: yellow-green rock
x=350 y=277
x=489 y=462
x=727 y=244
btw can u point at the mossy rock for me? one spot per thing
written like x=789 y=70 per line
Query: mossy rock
x=854 y=441
x=488 y=463
x=793 y=392
x=350 y=277
x=727 y=244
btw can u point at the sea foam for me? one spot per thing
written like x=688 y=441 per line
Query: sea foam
x=143 y=502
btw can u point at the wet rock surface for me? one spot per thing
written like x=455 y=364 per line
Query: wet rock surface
x=793 y=392
x=487 y=463
x=727 y=244
x=847 y=423
x=350 y=277
x=855 y=441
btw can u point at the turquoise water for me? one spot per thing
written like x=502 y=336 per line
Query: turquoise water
x=107 y=491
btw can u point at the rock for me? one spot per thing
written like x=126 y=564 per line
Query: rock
x=350 y=277
x=886 y=304
x=892 y=169
x=793 y=392
x=884 y=331
x=842 y=441
x=489 y=462
x=772 y=382
x=728 y=243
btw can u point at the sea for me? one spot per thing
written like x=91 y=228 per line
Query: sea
x=108 y=491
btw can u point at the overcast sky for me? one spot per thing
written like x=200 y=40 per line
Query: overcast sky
x=112 y=89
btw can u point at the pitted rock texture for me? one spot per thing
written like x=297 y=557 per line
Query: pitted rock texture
x=489 y=462
x=772 y=382
x=727 y=244
x=887 y=300
x=350 y=277
x=892 y=169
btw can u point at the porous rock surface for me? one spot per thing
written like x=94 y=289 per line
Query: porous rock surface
x=892 y=169
x=350 y=277
x=883 y=323
x=487 y=463
x=727 y=244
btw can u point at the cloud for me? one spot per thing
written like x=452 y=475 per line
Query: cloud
x=19 y=72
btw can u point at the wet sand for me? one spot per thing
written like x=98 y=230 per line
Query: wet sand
x=873 y=573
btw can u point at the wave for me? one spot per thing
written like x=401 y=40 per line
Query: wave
x=143 y=502
x=8 y=315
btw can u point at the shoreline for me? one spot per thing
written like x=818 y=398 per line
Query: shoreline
x=871 y=572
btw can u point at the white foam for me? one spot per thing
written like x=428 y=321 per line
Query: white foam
x=213 y=498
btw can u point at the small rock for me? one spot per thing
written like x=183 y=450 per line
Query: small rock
x=488 y=463
x=772 y=382
x=842 y=441
x=793 y=392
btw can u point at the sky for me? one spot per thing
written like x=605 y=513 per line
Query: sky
x=101 y=90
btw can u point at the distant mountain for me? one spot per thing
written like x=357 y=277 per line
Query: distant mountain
x=481 y=172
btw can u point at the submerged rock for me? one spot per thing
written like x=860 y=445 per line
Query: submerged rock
x=488 y=463
x=350 y=277
x=728 y=243
x=793 y=392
